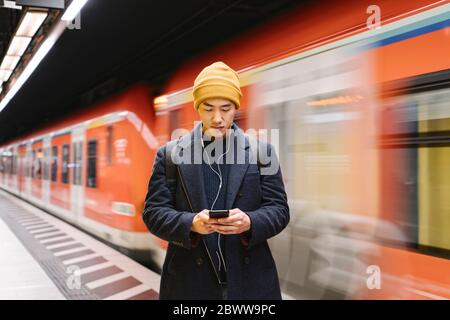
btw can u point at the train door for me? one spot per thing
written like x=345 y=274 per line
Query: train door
x=37 y=156
x=21 y=169
x=9 y=158
x=46 y=171
x=60 y=190
x=77 y=188
x=2 y=168
x=15 y=172
x=28 y=167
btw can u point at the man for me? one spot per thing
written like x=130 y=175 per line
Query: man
x=212 y=258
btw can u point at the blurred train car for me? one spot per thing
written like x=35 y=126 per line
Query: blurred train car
x=361 y=121
x=91 y=169
x=323 y=80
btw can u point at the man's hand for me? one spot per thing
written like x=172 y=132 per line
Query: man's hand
x=201 y=223
x=236 y=223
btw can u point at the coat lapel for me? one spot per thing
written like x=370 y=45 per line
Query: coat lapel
x=237 y=171
x=192 y=174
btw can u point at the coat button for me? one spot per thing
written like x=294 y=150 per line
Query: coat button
x=246 y=260
x=199 y=261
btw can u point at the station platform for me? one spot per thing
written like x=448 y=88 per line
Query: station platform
x=42 y=257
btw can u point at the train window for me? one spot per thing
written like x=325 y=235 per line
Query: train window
x=6 y=160
x=77 y=160
x=92 y=164
x=45 y=163
x=33 y=163
x=19 y=163
x=415 y=142
x=26 y=165
x=29 y=163
x=8 y=165
x=54 y=163
x=40 y=162
x=11 y=163
x=14 y=164
x=109 y=145
x=38 y=168
x=65 y=164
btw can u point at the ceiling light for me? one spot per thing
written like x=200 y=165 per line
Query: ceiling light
x=33 y=63
x=18 y=46
x=11 y=5
x=10 y=62
x=31 y=23
x=5 y=74
x=73 y=10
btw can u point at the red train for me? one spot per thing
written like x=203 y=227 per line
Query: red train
x=362 y=116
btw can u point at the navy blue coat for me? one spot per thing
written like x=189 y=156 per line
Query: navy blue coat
x=187 y=270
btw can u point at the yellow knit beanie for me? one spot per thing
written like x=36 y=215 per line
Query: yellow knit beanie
x=217 y=81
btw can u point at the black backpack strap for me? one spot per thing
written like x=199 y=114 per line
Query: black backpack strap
x=171 y=173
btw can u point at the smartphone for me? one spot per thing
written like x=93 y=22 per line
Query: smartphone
x=217 y=214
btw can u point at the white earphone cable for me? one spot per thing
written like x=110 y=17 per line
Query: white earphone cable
x=219 y=174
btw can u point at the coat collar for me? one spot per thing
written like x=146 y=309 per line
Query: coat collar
x=192 y=174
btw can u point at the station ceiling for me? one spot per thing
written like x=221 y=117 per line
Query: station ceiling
x=119 y=43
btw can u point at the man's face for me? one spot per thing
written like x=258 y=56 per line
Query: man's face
x=217 y=116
